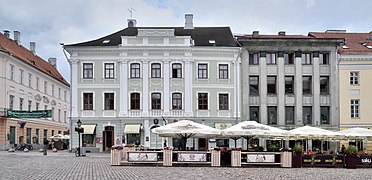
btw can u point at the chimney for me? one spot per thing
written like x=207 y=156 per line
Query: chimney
x=53 y=62
x=281 y=33
x=132 y=22
x=33 y=47
x=188 y=21
x=255 y=33
x=7 y=33
x=17 y=37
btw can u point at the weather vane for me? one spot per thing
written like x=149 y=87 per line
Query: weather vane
x=131 y=9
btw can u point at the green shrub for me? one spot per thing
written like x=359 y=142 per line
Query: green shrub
x=273 y=148
x=351 y=150
x=298 y=149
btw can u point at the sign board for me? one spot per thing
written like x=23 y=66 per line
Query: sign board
x=142 y=156
x=261 y=158
x=192 y=157
x=29 y=114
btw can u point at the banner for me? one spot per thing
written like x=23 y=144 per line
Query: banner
x=142 y=156
x=29 y=114
x=192 y=157
x=260 y=158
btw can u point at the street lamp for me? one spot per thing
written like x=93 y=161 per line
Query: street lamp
x=78 y=129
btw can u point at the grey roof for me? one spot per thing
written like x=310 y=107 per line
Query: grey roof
x=200 y=35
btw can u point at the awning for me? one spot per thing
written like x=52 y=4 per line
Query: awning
x=222 y=125
x=132 y=128
x=89 y=129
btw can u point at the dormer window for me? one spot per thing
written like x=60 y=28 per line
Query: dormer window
x=212 y=41
x=106 y=41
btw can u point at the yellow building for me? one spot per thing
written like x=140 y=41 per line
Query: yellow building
x=355 y=80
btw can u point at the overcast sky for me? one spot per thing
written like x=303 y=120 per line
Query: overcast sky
x=50 y=22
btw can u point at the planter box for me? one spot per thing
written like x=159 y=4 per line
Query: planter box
x=127 y=149
x=216 y=158
x=351 y=161
x=167 y=157
x=116 y=157
x=236 y=158
x=297 y=160
x=286 y=159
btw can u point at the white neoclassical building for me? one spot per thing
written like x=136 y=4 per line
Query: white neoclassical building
x=28 y=83
x=124 y=81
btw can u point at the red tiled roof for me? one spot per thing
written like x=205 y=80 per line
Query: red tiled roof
x=9 y=46
x=354 y=41
x=250 y=36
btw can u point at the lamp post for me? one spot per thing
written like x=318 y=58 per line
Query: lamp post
x=156 y=122
x=79 y=127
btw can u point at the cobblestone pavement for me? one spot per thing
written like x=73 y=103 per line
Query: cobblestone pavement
x=63 y=165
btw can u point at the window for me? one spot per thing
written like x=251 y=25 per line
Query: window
x=53 y=113
x=271 y=115
x=253 y=85
x=202 y=71
x=59 y=116
x=289 y=115
x=88 y=70
x=29 y=79
x=176 y=70
x=109 y=101
x=37 y=83
x=177 y=101
x=52 y=132
x=135 y=70
x=45 y=87
x=28 y=135
x=21 y=104
x=253 y=59
x=135 y=101
x=270 y=58
x=53 y=92
x=155 y=101
x=11 y=75
x=223 y=101
x=109 y=70
x=271 y=84
x=354 y=108
x=324 y=114
x=306 y=85
x=87 y=101
x=45 y=136
x=37 y=106
x=223 y=71
x=306 y=58
x=29 y=105
x=203 y=101
x=59 y=93
x=289 y=82
x=324 y=58
x=155 y=70
x=289 y=58
x=64 y=116
x=324 y=85
x=354 y=78
x=45 y=107
x=65 y=96
x=11 y=102
x=37 y=136
x=21 y=76
x=254 y=113
x=307 y=115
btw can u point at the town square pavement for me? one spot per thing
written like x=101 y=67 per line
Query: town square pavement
x=64 y=165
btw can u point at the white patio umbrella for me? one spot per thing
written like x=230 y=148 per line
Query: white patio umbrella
x=357 y=133
x=251 y=129
x=186 y=129
x=309 y=132
x=254 y=129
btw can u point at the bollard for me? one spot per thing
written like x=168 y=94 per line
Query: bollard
x=45 y=152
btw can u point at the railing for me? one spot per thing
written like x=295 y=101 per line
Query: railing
x=156 y=113
x=224 y=113
x=135 y=113
x=203 y=113
x=177 y=113
x=86 y=113
x=109 y=113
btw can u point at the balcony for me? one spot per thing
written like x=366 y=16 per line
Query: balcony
x=203 y=113
x=223 y=113
x=135 y=113
x=176 y=113
x=156 y=113
x=88 y=113
x=109 y=113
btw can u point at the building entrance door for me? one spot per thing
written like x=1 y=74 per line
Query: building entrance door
x=108 y=138
x=202 y=144
x=12 y=135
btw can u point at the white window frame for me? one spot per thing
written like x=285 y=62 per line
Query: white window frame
x=11 y=72
x=218 y=71
x=197 y=100
x=30 y=80
x=103 y=101
x=354 y=77
x=197 y=70
x=228 y=101
x=82 y=100
x=104 y=70
x=82 y=70
x=355 y=108
x=21 y=73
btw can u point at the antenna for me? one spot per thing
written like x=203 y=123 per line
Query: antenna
x=131 y=10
